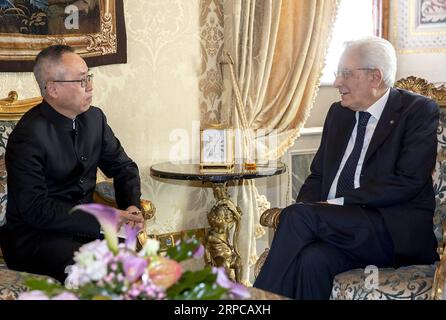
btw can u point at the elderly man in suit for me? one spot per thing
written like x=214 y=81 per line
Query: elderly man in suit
x=369 y=198
x=51 y=158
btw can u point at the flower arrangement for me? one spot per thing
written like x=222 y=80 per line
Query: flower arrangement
x=106 y=270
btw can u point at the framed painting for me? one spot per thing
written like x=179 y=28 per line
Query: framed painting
x=419 y=26
x=94 y=28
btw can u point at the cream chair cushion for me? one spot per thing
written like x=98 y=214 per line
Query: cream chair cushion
x=11 y=283
x=405 y=283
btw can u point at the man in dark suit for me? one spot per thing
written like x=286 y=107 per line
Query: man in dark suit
x=369 y=199
x=51 y=158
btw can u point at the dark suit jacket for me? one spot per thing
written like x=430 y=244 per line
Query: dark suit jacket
x=396 y=174
x=52 y=167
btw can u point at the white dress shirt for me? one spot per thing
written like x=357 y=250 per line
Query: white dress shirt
x=375 y=110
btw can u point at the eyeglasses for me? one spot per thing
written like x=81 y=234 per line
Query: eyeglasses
x=346 y=73
x=84 y=81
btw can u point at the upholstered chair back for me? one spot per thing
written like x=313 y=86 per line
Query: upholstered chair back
x=415 y=282
x=11 y=110
x=438 y=94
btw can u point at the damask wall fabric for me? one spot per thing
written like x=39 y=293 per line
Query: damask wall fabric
x=211 y=41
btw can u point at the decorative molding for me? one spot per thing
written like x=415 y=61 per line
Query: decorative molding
x=421 y=86
x=409 y=36
x=11 y=108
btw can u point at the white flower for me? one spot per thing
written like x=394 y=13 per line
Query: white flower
x=91 y=263
x=150 y=248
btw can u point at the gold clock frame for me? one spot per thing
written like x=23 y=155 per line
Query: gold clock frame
x=230 y=148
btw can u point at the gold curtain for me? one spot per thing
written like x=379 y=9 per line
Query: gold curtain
x=277 y=48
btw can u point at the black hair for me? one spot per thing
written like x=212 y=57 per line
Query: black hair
x=49 y=55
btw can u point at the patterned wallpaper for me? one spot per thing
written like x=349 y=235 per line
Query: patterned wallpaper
x=211 y=42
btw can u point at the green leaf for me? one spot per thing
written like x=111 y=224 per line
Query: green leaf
x=184 y=250
x=196 y=285
x=49 y=286
x=202 y=291
x=90 y=291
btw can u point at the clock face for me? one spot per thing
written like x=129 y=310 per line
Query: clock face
x=214 y=146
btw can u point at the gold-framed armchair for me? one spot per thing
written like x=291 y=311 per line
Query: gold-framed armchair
x=416 y=282
x=11 y=110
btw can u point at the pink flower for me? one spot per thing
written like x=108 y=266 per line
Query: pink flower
x=130 y=237
x=235 y=289
x=134 y=267
x=239 y=291
x=199 y=252
x=65 y=295
x=108 y=217
x=33 y=295
x=164 y=272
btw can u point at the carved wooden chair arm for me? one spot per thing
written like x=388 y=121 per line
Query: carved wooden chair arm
x=270 y=218
x=148 y=209
x=104 y=194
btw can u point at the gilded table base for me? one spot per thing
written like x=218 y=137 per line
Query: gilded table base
x=224 y=216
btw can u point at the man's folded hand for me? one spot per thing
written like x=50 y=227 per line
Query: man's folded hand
x=132 y=217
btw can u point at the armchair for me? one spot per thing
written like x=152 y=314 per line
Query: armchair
x=11 y=110
x=416 y=282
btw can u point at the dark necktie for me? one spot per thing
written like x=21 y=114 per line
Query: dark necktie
x=347 y=176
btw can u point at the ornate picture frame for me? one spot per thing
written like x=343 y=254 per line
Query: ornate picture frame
x=26 y=27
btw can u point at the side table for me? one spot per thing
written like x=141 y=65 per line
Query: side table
x=220 y=250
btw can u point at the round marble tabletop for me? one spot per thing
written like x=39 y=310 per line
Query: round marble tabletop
x=193 y=171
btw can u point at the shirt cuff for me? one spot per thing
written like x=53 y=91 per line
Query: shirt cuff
x=336 y=201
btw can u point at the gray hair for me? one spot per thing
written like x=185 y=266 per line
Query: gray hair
x=375 y=52
x=45 y=62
